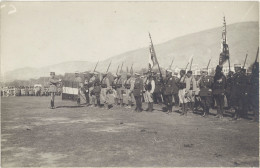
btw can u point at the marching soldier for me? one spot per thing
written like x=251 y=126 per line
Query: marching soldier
x=149 y=89
x=239 y=91
x=157 y=95
x=182 y=92
x=105 y=90
x=119 y=89
x=53 y=82
x=137 y=92
x=229 y=87
x=86 y=87
x=127 y=84
x=96 y=90
x=175 y=91
x=167 y=90
x=218 y=90
x=205 y=93
x=190 y=89
x=79 y=82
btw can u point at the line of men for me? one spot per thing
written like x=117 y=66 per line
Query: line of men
x=240 y=90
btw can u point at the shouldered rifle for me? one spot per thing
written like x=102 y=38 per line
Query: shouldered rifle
x=245 y=62
x=257 y=54
x=208 y=64
x=96 y=66
x=171 y=63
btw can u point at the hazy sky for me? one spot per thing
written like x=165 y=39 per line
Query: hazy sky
x=45 y=33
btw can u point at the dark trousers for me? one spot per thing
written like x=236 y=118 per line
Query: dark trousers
x=168 y=102
x=87 y=97
x=157 y=97
x=220 y=103
x=97 y=95
x=206 y=103
x=176 y=99
x=138 y=101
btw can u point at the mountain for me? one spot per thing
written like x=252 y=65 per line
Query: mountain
x=242 y=37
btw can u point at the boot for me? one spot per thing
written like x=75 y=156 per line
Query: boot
x=170 y=108
x=148 y=108
x=151 y=107
x=116 y=101
x=121 y=102
x=78 y=101
x=52 y=104
x=185 y=109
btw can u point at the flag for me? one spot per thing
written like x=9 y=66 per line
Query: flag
x=224 y=53
x=152 y=60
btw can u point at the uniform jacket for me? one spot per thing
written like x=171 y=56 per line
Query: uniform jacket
x=169 y=83
x=158 y=85
x=219 y=86
x=96 y=84
x=138 y=87
x=205 y=85
x=105 y=83
x=150 y=86
x=239 y=87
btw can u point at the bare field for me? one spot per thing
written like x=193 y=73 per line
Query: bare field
x=33 y=135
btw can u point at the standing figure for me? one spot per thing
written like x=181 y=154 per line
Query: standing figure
x=175 y=91
x=105 y=91
x=86 y=87
x=138 y=92
x=127 y=84
x=239 y=91
x=150 y=86
x=218 y=90
x=205 y=93
x=168 y=90
x=96 y=90
x=157 y=94
x=191 y=87
x=119 y=89
x=79 y=83
x=53 y=82
x=229 y=88
x=182 y=92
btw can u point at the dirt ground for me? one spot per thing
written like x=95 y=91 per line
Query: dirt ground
x=33 y=135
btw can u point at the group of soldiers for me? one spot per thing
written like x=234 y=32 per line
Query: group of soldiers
x=187 y=92
x=26 y=91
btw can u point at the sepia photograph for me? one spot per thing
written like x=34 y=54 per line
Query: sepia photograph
x=129 y=83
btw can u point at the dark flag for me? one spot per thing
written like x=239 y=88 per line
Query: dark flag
x=224 y=55
x=152 y=60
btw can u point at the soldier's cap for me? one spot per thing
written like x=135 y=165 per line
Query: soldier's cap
x=237 y=65
x=189 y=72
x=114 y=75
x=168 y=70
x=77 y=72
x=95 y=73
x=52 y=73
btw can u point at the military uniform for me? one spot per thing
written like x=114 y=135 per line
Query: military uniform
x=229 y=88
x=239 y=93
x=53 y=82
x=149 y=89
x=157 y=94
x=119 y=89
x=167 y=91
x=79 y=83
x=205 y=93
x=138 y=92
x=105 y=92
x=129 y=95
x=218 y=90
x=191 y=87
x=175 y=91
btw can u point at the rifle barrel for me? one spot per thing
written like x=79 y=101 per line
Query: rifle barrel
x=245 y=62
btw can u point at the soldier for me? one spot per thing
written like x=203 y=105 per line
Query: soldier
x=239 y=91
x=137 y=92
x=53 y=82
x=127 y=84
x=182 y=92
x=190 y=89
x=229 y=87
x=167 y=91
x=254 y=91
x=79 y=82
x=205 y=93
x=157 y=95
x=119 y=89
x=105 y=89
x=175 y=91
x=96 y=89
x=218 y=90
x=86 y=87
x=149 y=89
